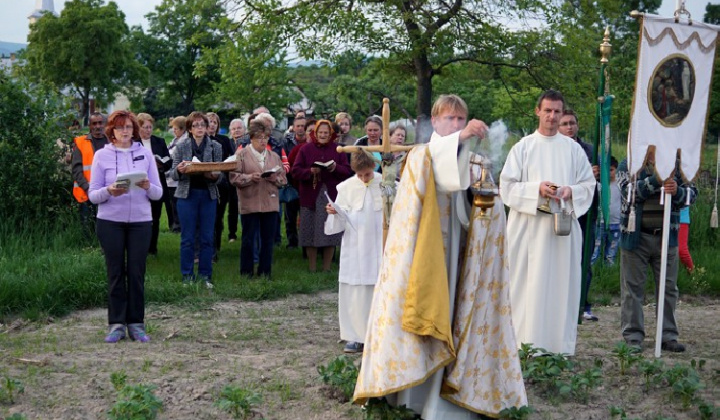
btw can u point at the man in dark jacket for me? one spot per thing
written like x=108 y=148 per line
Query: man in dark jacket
x=642 y=247
x=84 y=148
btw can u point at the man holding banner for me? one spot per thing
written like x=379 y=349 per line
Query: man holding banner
x=642 y=248
x=668 y=123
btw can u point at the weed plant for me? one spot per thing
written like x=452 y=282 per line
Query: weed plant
x=341 y=375
x=9 y=389
x=136 y=402
x=626 y=355
x=516 y=413
x=380 y=409
x=652 y=371
x=239 y=402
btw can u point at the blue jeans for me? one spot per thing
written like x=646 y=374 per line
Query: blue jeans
x=608 y=241
x=197 y=213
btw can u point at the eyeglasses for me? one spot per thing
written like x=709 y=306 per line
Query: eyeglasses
x=124 y=128
x=199 y=125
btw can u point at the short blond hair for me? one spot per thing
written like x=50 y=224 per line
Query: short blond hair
x=144 y=117
x=449 y=103
x=341 y=116
x=179 y=122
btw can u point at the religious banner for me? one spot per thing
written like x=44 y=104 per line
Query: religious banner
x=672 y=90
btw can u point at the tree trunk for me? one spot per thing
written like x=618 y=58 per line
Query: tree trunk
x=423 y=76
x=85 y=111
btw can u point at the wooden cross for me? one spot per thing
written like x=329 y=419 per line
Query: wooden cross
x=386 y=149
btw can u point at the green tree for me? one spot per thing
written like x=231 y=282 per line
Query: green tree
x=253 y=70
x=179 y=33
x=85 y=50
x=415 y=37
x=36 y=188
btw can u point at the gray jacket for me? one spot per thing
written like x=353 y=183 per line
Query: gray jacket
x=183 y=152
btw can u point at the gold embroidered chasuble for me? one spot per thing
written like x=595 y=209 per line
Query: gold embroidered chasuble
x=480 y=369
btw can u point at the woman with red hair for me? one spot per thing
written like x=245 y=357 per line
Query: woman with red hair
x=124 y=221
x=318 y=169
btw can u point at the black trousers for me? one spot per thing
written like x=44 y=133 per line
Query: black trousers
x=167 y=199
x=232 y=212
x=156 y=207
x=125 y=246
x=292 y=209
x=223 y=190
x=251 y=223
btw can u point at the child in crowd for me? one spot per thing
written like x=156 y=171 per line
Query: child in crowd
x=361 y=252
x=608 y=239
x=683 y=250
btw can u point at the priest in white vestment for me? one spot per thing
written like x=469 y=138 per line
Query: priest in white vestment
x=440 y=339
x=545 y=272
x=360 y=201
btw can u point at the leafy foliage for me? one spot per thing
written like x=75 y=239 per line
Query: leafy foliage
x=36 y=188
x=85 y=49
x=252 y=67
x=516 y=413
x=380 y=409
x=9 y=389
x=136 y=402
x=626 y=355
x=239 y=402
x=179 y=33
x=341 y=374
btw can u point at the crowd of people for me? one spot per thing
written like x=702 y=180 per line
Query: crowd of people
x=393 y=307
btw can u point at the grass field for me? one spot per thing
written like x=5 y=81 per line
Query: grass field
x=52 y=271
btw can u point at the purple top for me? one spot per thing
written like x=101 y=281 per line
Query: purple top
x=313 y=152
x=133 y=206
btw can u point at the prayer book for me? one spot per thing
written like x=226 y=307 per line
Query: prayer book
x=270 y=171
x=129 y=179
x=323 y=165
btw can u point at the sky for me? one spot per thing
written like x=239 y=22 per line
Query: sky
x=14 y=22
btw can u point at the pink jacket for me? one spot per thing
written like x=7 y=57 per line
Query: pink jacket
x=261 y=196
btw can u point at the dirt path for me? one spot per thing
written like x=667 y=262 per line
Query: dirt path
x=275 y=347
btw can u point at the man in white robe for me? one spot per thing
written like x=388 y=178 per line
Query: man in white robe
x=544 y=267
x=440 y=338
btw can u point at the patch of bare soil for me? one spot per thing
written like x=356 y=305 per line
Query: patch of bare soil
x=274 y=348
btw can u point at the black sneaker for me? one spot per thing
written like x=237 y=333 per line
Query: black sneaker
x=673 y=346
x=636 y=345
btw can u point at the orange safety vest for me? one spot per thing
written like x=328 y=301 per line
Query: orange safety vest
x=84 y=144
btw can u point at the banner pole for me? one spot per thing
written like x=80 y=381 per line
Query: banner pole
x=663 y=273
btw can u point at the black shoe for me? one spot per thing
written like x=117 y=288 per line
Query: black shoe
x=635 y=345
x=673 y=346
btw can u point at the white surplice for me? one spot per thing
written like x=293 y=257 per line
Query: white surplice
x=483 y=376
x=360 y=253
x=545 y=272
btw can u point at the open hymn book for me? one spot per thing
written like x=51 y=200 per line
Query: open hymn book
x=130 y=179
x=323 y=165
x=270 y=171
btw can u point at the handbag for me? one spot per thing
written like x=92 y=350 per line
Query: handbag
x=288 y=193
x=562 y=221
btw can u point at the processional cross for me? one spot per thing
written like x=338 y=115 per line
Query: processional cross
x=388 y=165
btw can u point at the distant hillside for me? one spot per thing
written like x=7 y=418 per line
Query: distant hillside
x=10 y=47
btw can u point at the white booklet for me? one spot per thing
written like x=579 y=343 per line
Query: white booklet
x=129 y=179
x=340 y=212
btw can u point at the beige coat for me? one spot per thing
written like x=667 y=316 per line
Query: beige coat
x=261 y=196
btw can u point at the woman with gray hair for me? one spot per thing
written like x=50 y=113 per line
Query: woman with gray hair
x=258 y=175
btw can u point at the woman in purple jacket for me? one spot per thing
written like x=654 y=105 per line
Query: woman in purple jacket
x=319 y=168
x=124 y=221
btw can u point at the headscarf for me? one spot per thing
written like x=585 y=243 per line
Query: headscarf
x=333 y=134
